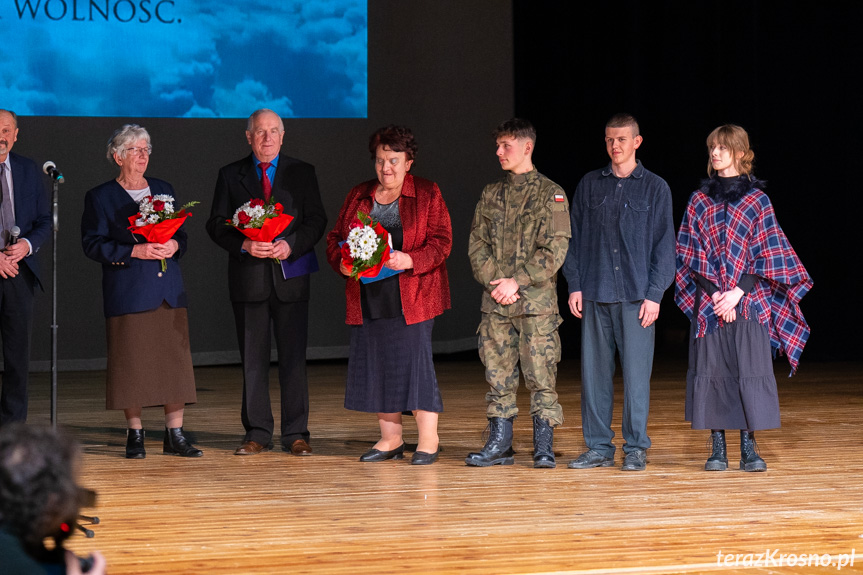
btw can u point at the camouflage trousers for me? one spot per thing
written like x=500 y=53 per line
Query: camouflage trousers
x=532 y=341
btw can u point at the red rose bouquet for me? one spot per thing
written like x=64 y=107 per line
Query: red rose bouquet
x=157 y=221
x=260 y=221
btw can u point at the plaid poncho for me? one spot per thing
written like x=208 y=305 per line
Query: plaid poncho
x=724 y=240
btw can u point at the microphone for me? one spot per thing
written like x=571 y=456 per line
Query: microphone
x=13 y=235
x=50 y=168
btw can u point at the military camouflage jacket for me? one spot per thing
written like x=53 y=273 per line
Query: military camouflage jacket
x=520 y=230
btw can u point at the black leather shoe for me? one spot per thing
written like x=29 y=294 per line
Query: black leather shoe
x=635 y=460
x=423 y=458
x=590 y=459
x=176 y=444
x=135 y=444
x=378 y=455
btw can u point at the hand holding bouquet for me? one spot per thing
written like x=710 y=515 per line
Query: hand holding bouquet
x=260 y=221
x=157 y=221
x=367 y=248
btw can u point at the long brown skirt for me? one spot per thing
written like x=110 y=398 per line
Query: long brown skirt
x=149 y=362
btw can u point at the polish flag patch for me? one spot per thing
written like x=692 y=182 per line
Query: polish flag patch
x=559 y=198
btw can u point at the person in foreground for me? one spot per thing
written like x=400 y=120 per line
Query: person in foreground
x=264 y=293
x=390 y=367
x=23 y=204
x=39 y=500
x=144 y=306
x=740 y=283
x=620 y=262
x=518 y=241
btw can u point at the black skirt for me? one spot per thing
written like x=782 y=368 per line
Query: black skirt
x=730 y=382
x=390 y=367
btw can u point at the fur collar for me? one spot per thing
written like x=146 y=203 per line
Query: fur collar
x=713 y=188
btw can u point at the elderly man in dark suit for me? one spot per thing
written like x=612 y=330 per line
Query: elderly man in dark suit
x=23 y=205
x=265 y=294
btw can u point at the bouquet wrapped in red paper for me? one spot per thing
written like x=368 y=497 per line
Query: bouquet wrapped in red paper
x=157 y=221
x=367 y=249
x=261 y=221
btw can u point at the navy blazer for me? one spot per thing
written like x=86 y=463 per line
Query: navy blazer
x=32 y=212
x=295 y=186
x=129 y=285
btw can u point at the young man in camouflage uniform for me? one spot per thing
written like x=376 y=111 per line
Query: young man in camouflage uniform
x=518 y=241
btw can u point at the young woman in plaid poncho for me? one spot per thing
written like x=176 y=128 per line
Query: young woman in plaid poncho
x=740 y=283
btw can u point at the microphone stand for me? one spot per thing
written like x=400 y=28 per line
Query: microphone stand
x=55 y=228
x=56 y=180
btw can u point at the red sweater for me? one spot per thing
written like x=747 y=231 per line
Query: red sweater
x=427 y=240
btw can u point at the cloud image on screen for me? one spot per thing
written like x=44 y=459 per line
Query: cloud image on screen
x=184 y=58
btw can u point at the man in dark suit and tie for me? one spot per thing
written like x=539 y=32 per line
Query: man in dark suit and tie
x=23 y=205
x=260 y=294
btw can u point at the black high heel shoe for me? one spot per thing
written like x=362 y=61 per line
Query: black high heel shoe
x=378 y=455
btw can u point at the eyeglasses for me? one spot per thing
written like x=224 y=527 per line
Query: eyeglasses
x=273 y=132
x=139 y=151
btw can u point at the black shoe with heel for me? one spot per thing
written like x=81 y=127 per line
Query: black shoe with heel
x=423 y=458
x=135 y=444
x=176 y=444
x=378 y=455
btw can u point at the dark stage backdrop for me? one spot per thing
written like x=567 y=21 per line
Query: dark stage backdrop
x=785 y=71
x=442 y=68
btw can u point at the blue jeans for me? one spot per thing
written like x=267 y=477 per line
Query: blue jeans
x=604 y=328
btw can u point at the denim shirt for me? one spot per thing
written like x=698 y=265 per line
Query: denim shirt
x=622 y=245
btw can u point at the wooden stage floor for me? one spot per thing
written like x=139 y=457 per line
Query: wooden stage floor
x=329 y=513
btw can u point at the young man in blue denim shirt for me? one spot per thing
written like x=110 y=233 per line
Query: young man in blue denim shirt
x=620 y=261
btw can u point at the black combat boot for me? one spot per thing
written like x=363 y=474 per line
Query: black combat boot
x=543 y=443
x=177 y=444
x=498 y=448
x=718 y=460
x=749 y=458
x=135 y=444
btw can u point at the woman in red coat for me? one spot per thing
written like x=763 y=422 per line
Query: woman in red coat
x=390 y=368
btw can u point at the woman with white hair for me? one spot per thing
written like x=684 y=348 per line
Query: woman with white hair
x=149 y=362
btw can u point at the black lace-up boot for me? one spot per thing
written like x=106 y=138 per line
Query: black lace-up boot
x=718 y=460
x=749 y=458
x=543 y=443
x=498 y=448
